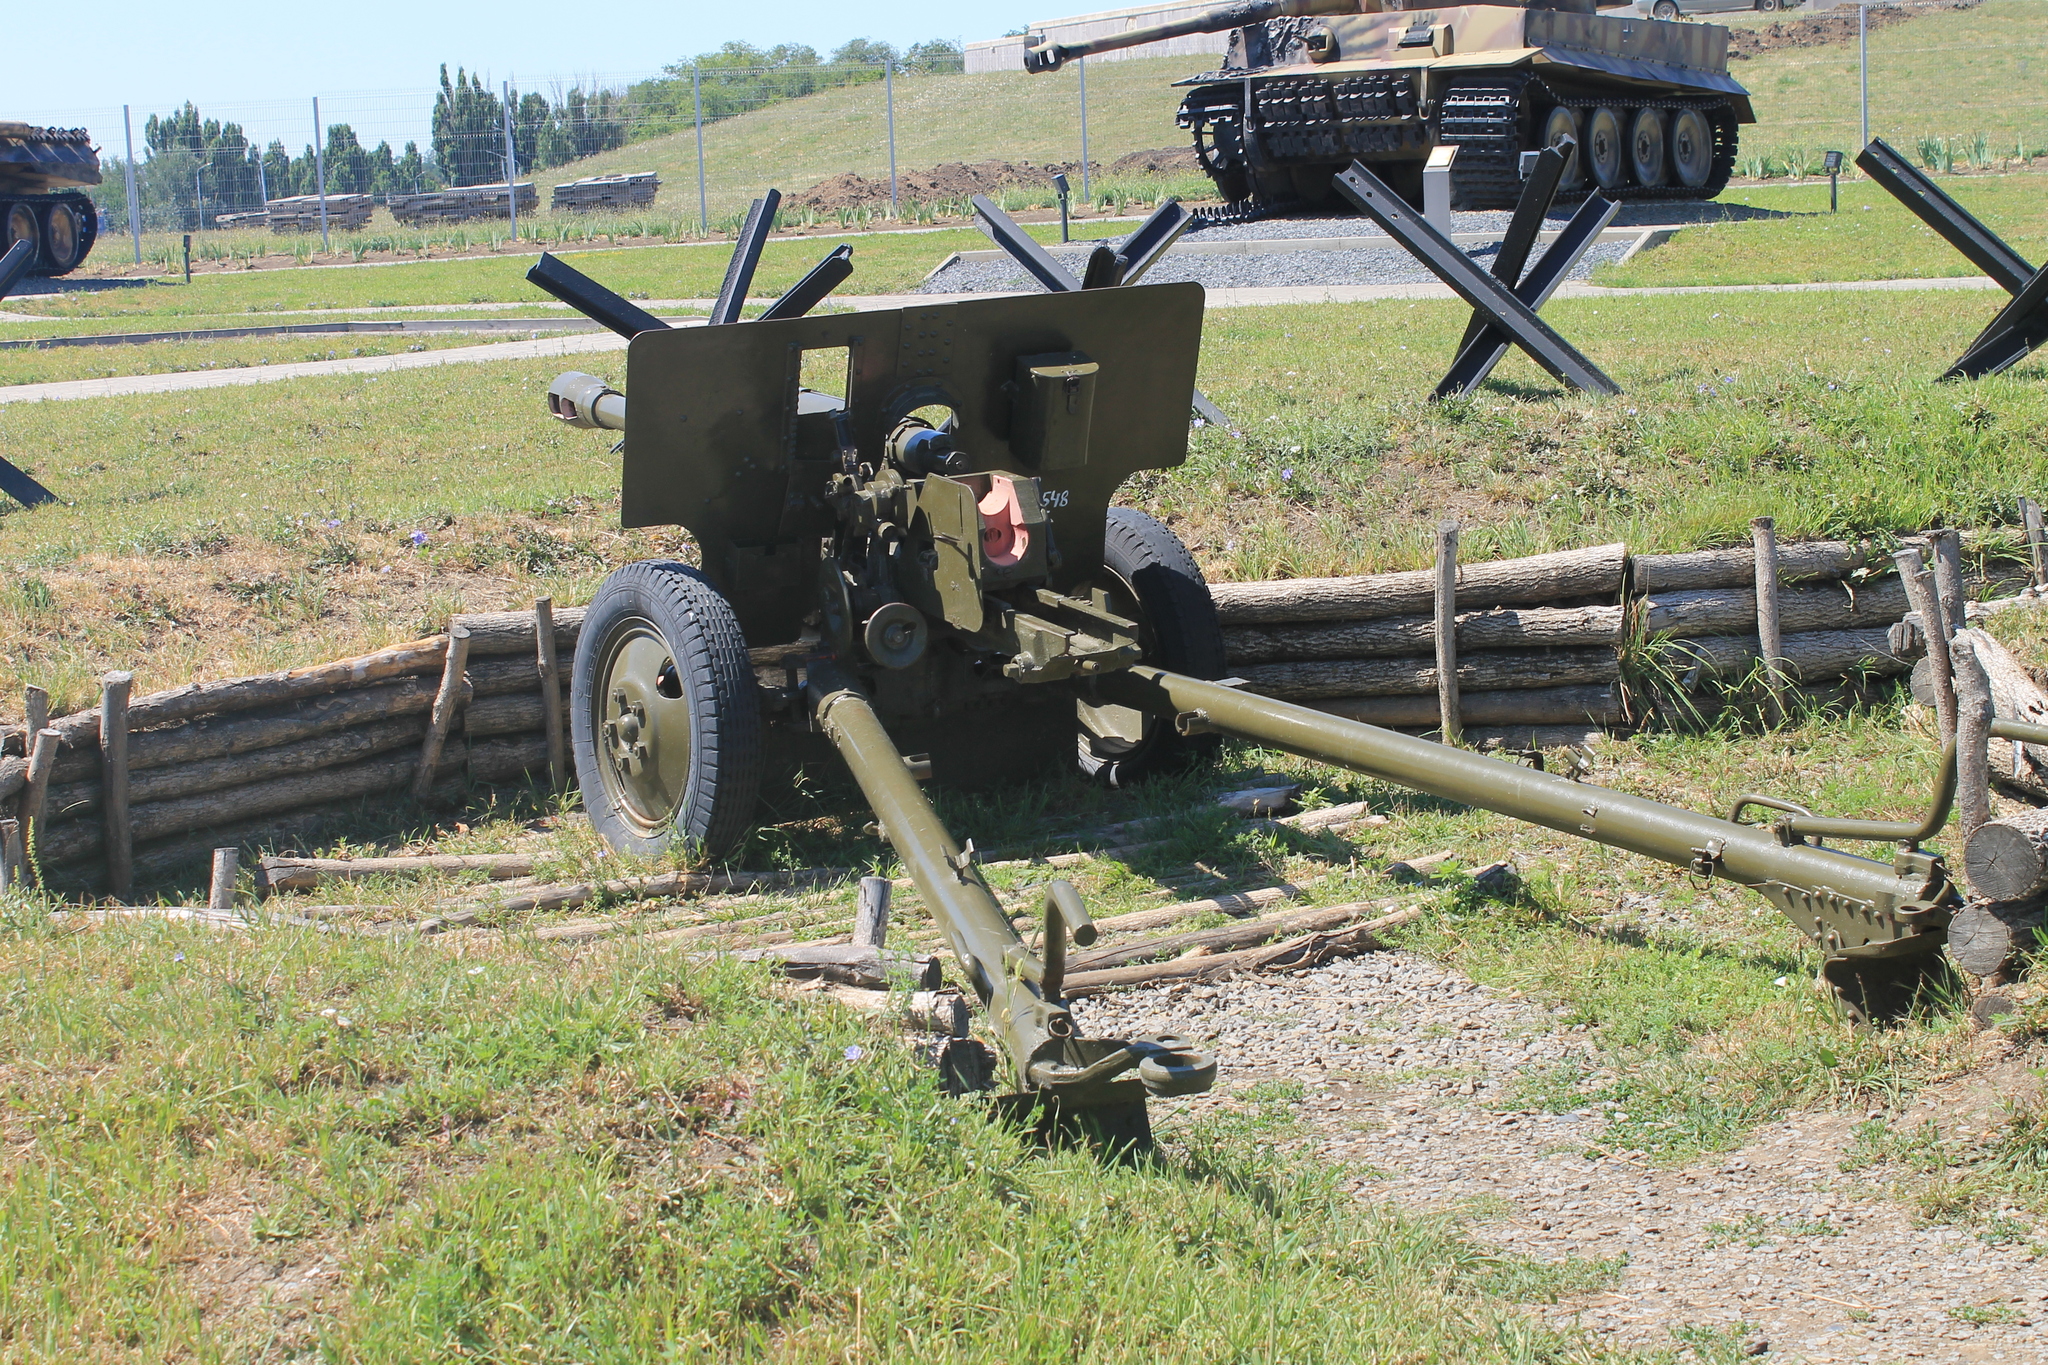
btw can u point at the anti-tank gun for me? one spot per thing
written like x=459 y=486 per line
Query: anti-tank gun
x=909 y=548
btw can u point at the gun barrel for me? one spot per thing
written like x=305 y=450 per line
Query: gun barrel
x=1849 y=903
x=584 y=400
x=1051 y=56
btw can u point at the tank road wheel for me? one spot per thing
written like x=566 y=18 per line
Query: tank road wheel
x=20 y=226
x=1646 y=147
x=1154 y=580
x=64 y=238
x=1564 y=123
x=1603 y=150
x=664 y=713
x=1692 y=148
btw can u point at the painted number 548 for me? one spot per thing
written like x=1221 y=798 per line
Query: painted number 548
x=1053 y=497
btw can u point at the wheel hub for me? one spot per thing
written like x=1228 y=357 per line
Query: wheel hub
x=643 y=727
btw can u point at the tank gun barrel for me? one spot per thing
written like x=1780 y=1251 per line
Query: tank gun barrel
x=1040 y=55
x=584 y=400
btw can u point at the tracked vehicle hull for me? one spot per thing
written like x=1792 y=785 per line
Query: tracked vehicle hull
x=42 y=171
x=1309 y=86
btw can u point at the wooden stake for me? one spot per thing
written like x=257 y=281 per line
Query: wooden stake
x=2037 y=541
x=36 y=702
x=1763 y=538
x=551 y=692
x=1947 y=545
x=871 y=918
x=120 y=840
x=220 y=893
x=1920 y=592
x=1973 y=735
x=1447 y=631
x=445 y=702
x=10 y=854
x=42 y=761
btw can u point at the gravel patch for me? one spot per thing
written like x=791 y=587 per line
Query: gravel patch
x=1416 y=1074
x=1391 y=265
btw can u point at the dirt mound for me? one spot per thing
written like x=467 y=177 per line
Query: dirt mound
x=957 y=182
x=1824 y=30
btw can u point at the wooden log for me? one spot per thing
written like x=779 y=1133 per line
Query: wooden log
x=871 y=913
x=270 y=689
x=1597 y=705
x=2037 y=540
x=1763 y=534
x=13 y=777
x=1989 y=939
x=1411 y=677
x=220 y=888
x=205 y=738
x=548 y=656
x=564 y=895
x=36 y=707
x=491 y=760
x=284 y=873
x=1565 y=574
x=1946 y=546
x=1444 y=629
x=119 y=844
x=493 y=633
x=1243 y=934
x=2019 y=768
x=1238 y=903
x=1732 y=611
x=509 y=714
x=851 y=964
x=1735 y=567
x=445 y=702
x=1973 y=736
x=923 y=1011
x=1809 y=656
x=2007 y=859
x=35 y=790
x=1401 y=636
x=76 y=799
x=1525 y=738
x=1295 y=954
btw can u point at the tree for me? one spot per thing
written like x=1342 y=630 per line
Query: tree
x=468 y=136
x=936 y=56
x=864 y=52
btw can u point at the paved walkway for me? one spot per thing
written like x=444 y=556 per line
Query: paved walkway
x=183 y=381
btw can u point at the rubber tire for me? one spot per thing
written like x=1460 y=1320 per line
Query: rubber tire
x=1560 y=123
x=1181 y=635
x=1648 y=148
x=1691 y=129
x=721 y=793
x=1605 y=150
x=64 y=238
x=1664 y=9
x=1766 y=6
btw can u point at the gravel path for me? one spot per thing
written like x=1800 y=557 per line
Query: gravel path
x=1415 y=1072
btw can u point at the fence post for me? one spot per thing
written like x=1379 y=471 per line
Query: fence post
x=889 y=98
x=120 y=834
x=1081 y=68
x=1447 y=631
x=1763 y=539
x=703 y=204
x=1863 y=63
x=2030 y=516
x=511 y=165
x=134 y=200
x=320 y=171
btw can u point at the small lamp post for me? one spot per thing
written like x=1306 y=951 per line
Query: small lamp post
x=1833 y=164
x=1059 y=187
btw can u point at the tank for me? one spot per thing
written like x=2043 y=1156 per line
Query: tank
x=42 y=171
x=1308 y=86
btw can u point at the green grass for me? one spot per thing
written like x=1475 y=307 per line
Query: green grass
x=1942 y=74
x=1873 y=237
x=43 y=366
x=288 y=1146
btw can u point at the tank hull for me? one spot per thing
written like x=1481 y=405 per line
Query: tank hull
x=1650 y=103
x=42 y=171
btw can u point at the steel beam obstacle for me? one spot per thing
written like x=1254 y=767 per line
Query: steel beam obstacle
x=2022 y=325
x=1503 y=310
x=1485 y=345
x=628 y=319
x=1109 y=264
x=14 y=482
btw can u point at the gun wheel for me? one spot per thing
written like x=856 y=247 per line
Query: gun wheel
x=664 y=713
x=1155 y=581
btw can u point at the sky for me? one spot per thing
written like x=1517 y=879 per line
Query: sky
x=262 y=64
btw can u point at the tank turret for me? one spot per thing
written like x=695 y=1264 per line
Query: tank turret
x=1308 y=86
